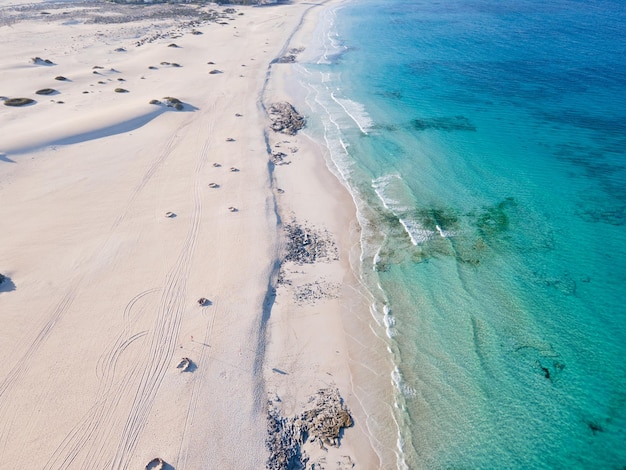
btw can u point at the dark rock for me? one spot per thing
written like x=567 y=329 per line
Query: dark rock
x=285 y=118
x=306 y=245
x=185 y=364
x=323 y=422
x=155 y=464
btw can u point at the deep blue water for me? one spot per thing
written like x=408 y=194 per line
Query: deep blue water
x=485 y=144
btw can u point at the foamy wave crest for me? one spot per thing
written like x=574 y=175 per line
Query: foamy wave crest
x=357 y=113
x=390 y=322
x=331 y=47
x=397 y=198
x=401 y=385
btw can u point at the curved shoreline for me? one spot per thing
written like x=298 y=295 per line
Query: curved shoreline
x=363 y=363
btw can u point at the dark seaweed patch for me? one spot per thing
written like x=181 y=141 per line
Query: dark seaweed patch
x=446 y=123
x=495 y=220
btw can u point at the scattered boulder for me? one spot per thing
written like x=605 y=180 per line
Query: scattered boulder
x=185 y=364
x=233 y=169
x=61 y=78
x=233 y=209
x=173 y=45
x=202 y=301
x=121 y=90
x=285 y=118
x=2 y=278
x=170 y=215
x=230 y=139
x=156 y=464
x=217 y=165
x=215 y=71
x=120 y=49
x=214 y=185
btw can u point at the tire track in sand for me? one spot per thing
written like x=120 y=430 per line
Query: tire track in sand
x=163 y=337
x=21 y=366
x=89 y=432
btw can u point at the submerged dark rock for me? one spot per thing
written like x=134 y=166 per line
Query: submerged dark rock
x=446 y=123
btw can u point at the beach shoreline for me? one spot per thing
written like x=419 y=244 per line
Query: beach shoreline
x=144 y=237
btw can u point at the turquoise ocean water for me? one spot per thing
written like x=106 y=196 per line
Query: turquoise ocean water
x=484 y=142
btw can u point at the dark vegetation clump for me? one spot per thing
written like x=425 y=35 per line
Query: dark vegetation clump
x=40 y=61
x=46 y=91
x=175 y=103
x=18 y=101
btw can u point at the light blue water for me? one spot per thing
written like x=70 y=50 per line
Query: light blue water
x=485 y=144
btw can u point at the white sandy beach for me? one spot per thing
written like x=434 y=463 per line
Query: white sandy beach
x=100 y=303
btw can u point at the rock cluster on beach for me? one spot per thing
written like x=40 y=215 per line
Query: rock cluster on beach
x=322 y=423
x=291 y=56
x=306 y=245
x=285 y=118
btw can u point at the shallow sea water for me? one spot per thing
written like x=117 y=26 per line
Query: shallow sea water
x=484 y=142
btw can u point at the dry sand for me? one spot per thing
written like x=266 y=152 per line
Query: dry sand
x=101 y=301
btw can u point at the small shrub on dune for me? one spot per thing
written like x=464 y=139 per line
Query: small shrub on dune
x=18 y=101
x=175 y=103
x=40 y=61
x=46 y=91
